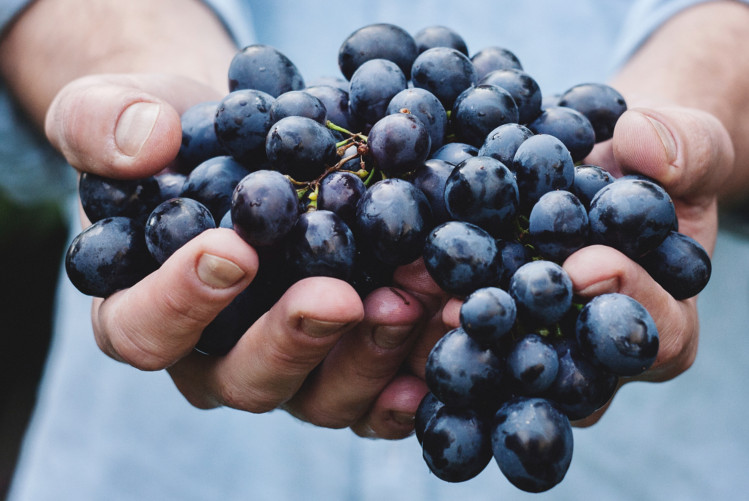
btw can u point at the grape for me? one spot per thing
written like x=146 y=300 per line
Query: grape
x=199 y=141
x=542 y=291
x=462 y=373
x=265 y=69
x=264 y=207
x=212 y=184
x=439 y=36
x=426 y=410
x=372 y=86
x=377 y=41
x=569 y=126
x=107 y=256
x=632 y=215
x=300 y=147
x=532 y=443
x=456 y=444
x=170 y=184
x=173 y=223
x=512 y=255
x=600 y=103
x=426 y=107
x=430 y=177
x=455 y=153
x=340 y=192
x=461 y=257
x=532 y=364
x=482 y=191
x=488 y=315
x=320 y=244
x=524 y=90
x=479 y=110
x=444 y=72
x=393 y=219
x=335 y=101
x=679 y=264
x=558 y=225
x=242 y=122
x=617 y=333
x=503 y=142
x=589 y=179
x=494 y=58
x=542 y=163
x=399 y=143
x=102 y=197
x=298 y=103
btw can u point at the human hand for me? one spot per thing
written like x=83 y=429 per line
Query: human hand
x=320 y=352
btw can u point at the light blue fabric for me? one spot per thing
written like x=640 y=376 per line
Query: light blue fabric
x=104 y=431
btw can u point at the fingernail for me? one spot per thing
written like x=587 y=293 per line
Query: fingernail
x=321 y=328
x=602 y=287
x=218 y=272
x=134 y=127
x=390 y=336
x=669 y=144
x=404 y=418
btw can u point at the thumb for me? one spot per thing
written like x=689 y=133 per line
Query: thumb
x=122 y=126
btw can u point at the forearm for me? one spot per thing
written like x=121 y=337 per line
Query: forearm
x=56 y=41
x=700 y=59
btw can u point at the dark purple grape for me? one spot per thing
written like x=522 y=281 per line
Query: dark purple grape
x=494 y=58
x=512 y=255
x=335 y=101
x=679 y=264
x=439 y=36
x=588 y=180
x=456 y=444
x=569 y=126
x=340 y=192
x=488 y=315
x=430 y=177
x=479 y=110
x=532 y=443
x=225 y=330
x=426 y=107
x=226 y=221
x=173 y=223
x=542 y=163
x=617 y=333
x=377 y=41
x=462 y=373
x=600 y=103
x=558 y=225
x=503 y=142
x=372 y=87
x=170 y=184
x=199 y=141
x=523 y=88
x=328 y=81
x=264 y=208
x=393 y=219
x=580 y=388
x=632 y=215
x=461 y=257
x=532 y=365
x=300 y=147
x=444 y=72
x=370 y=273
x=108 y=256
x=263 y=68
x=212 y=184
x=399 y=144
x=320 y=244
x=542 y=291
x=482 y=191
x=454 y=153
x=426 y=410
x=298 y=103
x=103 y=197
x=242 y=123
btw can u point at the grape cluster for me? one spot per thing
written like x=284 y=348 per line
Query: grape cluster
x=420 y=151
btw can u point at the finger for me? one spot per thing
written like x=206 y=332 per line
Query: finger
x=599 y=269
x=159 y=320
x=393 y=413
x=123 y=126
x=365 y=360
x=274 y=357
x=415 y=279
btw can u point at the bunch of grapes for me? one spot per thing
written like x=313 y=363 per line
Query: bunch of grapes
x=420 y=151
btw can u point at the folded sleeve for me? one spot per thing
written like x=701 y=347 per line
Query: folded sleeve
x=9 y=9
x=236 y=15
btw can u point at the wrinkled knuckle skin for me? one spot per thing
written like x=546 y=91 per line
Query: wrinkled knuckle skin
x=247 y=399
x=138 y=354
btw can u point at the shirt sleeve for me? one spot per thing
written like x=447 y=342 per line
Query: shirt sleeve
x=236 y=15
x=644 y=18
x=9 y=9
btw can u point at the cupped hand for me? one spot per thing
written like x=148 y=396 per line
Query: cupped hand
x=320 y=352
